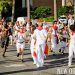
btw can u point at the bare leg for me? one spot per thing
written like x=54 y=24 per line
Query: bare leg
x=4 y=51
x=22 y=51
x=18 y=52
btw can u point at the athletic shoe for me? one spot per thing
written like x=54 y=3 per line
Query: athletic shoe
x=18 y=54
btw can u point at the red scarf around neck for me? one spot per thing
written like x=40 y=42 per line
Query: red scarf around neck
x=40 y=28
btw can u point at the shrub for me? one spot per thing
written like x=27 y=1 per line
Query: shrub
x=47 y=19
x=63 y=10
x=42 y=11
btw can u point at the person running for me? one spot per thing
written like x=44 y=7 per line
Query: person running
x=40 y=35
x=20 y=43
x=11 y=33
x=4 y=38
x=71 y=45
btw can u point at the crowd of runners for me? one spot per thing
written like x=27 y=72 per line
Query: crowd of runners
x=41 y=36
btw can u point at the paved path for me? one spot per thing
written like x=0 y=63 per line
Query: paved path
x=12 y=65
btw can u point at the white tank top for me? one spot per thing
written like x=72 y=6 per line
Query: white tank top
x=20 y=37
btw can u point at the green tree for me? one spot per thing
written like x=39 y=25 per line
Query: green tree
x=42 y=11
x=63 y=10
x=3 y=5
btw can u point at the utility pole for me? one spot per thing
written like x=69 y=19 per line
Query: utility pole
x=13 y=10
x=55 y=10
x=28 y=9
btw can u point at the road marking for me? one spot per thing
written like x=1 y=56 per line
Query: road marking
x=14 y=65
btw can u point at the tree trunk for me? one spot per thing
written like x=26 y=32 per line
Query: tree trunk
x=13 y=9
x=55 y=10
x=63 y=3
x=28 y=9
x=0 y=15
x=74 y=9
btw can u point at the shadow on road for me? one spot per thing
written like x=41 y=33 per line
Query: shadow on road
x=25 y=70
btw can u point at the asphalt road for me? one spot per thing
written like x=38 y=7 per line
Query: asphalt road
x=12 y=65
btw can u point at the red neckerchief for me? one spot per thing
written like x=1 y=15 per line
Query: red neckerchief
x=64 y=31
x=40 y=28
x=73 y=33
x=21 y=33
x=55 y=27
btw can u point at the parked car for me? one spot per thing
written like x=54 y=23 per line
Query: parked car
x=62 y=19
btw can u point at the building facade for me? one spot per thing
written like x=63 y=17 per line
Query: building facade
x=37 y=3
x=50 y=3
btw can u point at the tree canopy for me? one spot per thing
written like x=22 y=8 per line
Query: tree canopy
x=4 y=3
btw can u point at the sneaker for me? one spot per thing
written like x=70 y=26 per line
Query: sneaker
x=59 y=50
x=62 y=52
x=18 y=54
x=3 y=55
x=22 y=60
x=34 y=63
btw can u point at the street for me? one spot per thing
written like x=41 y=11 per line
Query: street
x=12 y=65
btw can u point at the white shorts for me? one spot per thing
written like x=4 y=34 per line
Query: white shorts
x=20 y=45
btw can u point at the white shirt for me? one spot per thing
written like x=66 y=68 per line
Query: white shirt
x=70 y=22
x=40 y=35
x=32 y=40
x=27 y=26
x=45 y=25
x=72 y=40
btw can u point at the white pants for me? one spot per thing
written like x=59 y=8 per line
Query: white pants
x=53 y=44
x=11 y=39
x=62 y=45
x=71 y=51
x=20 y=46
x=32 y=51
x=40 y=55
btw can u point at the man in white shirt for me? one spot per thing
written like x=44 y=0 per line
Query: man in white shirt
x=41 y=35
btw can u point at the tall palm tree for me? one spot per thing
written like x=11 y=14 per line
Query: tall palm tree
x=55 y=10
